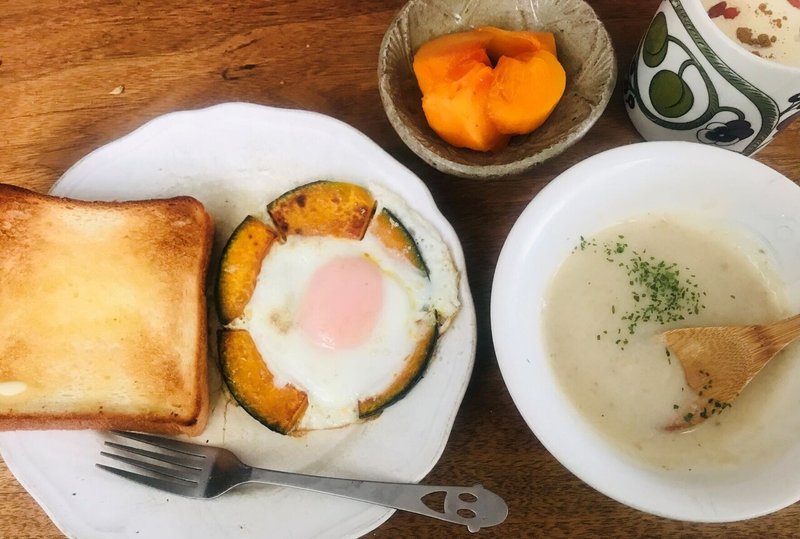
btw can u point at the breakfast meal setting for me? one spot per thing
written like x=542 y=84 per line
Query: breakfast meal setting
x=413 y=268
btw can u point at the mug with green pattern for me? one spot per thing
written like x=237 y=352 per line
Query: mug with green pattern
x=689 y=81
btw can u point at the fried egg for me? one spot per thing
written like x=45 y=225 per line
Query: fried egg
x=339 y=318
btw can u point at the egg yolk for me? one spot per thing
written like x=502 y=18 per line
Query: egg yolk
x=342 y=302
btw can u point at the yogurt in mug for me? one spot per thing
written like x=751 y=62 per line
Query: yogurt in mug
x=767 y=28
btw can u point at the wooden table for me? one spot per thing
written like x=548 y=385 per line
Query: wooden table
x=61 y=64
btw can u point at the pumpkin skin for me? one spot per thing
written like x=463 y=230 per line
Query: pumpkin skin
x=324 y=208
x=252 y=385
x=396 y=237
x=406 y=379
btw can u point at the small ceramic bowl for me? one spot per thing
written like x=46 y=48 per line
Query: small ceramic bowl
x=584 y=49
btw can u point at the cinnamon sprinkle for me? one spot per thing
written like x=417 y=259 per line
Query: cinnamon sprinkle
x=745 y=35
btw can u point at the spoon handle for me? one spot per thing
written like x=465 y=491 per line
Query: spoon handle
x=784 y=332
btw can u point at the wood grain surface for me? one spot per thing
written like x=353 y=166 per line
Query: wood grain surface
x=59 y=66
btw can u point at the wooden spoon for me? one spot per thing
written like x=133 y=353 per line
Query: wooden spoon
x=719 y=362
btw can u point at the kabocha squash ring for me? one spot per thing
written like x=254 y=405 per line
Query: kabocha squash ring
x=323 y=208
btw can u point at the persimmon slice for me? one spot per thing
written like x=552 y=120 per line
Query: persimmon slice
x=515 y=43
x=482 y=86
x=500 y=42
x=447 y=59
x=524 y=92
x=457 y=113
x=547 y=41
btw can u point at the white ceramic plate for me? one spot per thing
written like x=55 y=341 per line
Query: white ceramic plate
x=657 y=177
x=233 y=157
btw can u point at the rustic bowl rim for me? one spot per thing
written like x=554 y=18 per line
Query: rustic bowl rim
x=493 y=171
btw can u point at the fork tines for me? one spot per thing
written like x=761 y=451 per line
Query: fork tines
x=180 y=476
x=164 y=443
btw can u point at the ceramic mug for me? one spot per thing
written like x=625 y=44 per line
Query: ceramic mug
x=689 y=81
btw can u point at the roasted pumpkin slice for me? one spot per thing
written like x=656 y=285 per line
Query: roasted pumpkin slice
x=240 y=266
x=395 y=237
x=406 y=379
x=324 y=208
x=252 y=385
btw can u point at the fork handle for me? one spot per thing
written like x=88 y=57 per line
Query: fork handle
x=474 y=507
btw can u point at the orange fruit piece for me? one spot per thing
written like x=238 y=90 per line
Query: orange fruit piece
x=524 y=92
x=457 y=112
x=482 y=86
x=447 y=59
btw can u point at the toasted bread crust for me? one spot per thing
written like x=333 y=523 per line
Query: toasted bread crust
x=103 y=313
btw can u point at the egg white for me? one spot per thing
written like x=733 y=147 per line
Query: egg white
x=442 y=272
x=335 y=379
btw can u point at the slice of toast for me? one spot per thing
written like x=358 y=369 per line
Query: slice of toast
x=103 y=313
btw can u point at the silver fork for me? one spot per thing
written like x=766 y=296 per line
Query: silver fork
x=201 y=471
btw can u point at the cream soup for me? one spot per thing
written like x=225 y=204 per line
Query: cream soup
x=603 y=312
